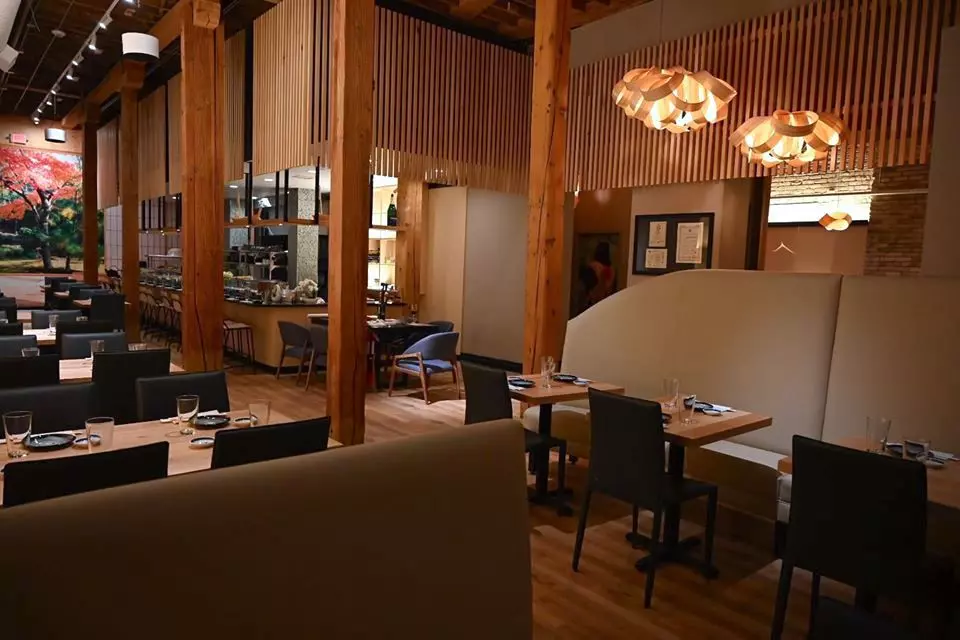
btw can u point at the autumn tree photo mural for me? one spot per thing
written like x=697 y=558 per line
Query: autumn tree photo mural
x=41 y=210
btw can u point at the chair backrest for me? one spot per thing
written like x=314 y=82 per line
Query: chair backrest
x=839 y=621
x=8 y=306
x=81 y=291
x=16 y=371
x=318 y=338
x=71 y=327
x=60 y=284
x=626 y=449
x=34 y=480
x=232 y=447
x=856 y=517
x=443 y=326
x=108 y=307
x=115 y=378
x=438 y=346
x=488 y=396
x=55 y=408
x=157 y=397
x=11 y=329
x=293 y=334
x=41 y=319
x=10 y=346
x=77 y=345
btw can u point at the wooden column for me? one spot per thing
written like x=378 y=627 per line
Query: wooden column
x=543 y=314
x=129 y=192
x=411 y=205
x=201 y=148
x=350 y=146
x=91 y=244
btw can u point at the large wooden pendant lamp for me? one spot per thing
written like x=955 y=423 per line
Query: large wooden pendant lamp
x=674 y=99
x=793 y=138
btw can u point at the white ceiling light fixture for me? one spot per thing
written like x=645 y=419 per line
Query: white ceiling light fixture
x=76 y=61
x=141 y=47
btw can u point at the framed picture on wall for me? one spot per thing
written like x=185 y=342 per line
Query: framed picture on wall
x=672 y=242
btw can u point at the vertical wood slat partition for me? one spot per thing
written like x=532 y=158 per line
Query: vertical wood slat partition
x=173 y=122
x=282 y=98
x=153 y=145
x=233 y=78
x=108 y=167
x=873 y=62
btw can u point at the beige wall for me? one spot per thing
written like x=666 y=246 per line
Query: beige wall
x=729 y=200
x=443 y=276
x=816 y=250
x=17 y=124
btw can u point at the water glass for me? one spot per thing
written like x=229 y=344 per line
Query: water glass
x=96 y=346
x=878 y=431
x=52 y=320
x=671 y=394
x=187 y=408
x=137 y=346
x=689 y=417
x=259 y=413
x=547 y=369
x=16 y=427
x=4 y=320
x=30 y=352
x=101 y=429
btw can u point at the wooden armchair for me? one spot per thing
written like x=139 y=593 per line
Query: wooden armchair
x=436 y=353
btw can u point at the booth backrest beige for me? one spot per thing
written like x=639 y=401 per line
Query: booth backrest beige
x=423 y=537
x=754 y=340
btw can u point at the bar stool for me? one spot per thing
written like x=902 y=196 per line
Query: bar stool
x=238 y=339
x=176 y=312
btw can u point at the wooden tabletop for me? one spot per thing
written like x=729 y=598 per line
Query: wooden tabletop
x=943 y=485
x=86 y=302
x=708 y=429
x=81 y=370
x=24 y=315
x=557 y=391
x=45 y=337
x=183 y=458
x=62 y=294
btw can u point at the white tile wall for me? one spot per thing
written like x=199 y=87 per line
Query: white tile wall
x=150 y=244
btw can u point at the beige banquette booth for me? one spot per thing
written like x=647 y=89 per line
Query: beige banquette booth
x=816 y=352
x=424 y=537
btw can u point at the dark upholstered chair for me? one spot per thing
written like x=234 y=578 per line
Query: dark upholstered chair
x=11 y=329
x=859 y=518
x=41 y=319
x=108 y=307
x=318 y=351
x=8 y=307
x=34 y=480
x=16 y=371
x=74 y=346
x=115 y=377
x=627 y=462
x=58 y=407
x=839 y=621
x=55 y=284
x=157 y=397
x=11 y=346
x=232 y=447
x=295 y=340
x=434 y=354
x=488 y=399
x=443 y=326
x=72 y=327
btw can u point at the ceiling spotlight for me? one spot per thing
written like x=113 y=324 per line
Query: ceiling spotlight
x=71 y=77
x=56 y=88
x=105 y=22
x=58 y=33
x=36 y=120
x=76 y=61
x=49 y=103
x=92 y=45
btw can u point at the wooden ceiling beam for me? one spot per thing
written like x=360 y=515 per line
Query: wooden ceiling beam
x=469 y=9
x=166 y=30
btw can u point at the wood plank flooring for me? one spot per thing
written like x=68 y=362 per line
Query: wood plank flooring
x=605 y=599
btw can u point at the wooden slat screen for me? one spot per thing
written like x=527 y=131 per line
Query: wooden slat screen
x=173 y=122
x=153 y=145
x=108 y=171
x=233 y=107
x=283 y=52
x=874 y=62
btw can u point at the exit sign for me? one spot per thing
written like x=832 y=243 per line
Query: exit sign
x=18 y=138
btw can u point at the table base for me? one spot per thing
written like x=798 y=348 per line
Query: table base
x=678 y=553
x=551 y=498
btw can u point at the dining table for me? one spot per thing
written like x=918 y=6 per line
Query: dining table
x=184 y=458
x=45 y=337
x=81 y=370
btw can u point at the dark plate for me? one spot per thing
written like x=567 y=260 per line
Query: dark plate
x=523 y=383
x=211 y=422
x=564 y=377
x=49 y=441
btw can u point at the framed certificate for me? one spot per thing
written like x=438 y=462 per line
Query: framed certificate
x=672 y=242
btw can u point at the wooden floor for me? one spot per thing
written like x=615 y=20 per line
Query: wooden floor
x=605 y=599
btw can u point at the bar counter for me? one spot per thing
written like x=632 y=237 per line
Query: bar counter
x=263 y=319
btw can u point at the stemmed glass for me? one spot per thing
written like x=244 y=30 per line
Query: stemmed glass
x=187 y=408
x=16 y=428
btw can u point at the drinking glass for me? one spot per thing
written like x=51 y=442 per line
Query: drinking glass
x=187 y=408
x=259 y=412
x=137 y=346
x=547 y=367
x=16 y=427
x=878 y=430
x=689 y=417
x=671 y=393
x=96 y=346
x=102 y=428
x=52 y=320
x=30 y=352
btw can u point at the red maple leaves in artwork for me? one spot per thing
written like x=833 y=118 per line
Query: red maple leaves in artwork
x=31 y=181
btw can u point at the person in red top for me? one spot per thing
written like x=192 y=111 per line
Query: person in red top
x=599 y=277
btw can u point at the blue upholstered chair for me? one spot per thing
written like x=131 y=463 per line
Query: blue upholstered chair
x=436 y=353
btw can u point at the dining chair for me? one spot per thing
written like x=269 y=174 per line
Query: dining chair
x=72 y=327
x=157 y=397
x=16 y=371
x=318 y=351
x=434 y=354
x=859 y=518
x=12 y=346
x=233 y=447
x=41 y=319
x=488 y=399
x=628 y=462
x=60 y=407
x=11 y=329
x=8 y=306
x=295 y=343
x=108 y=307
x=74 y=346
x=443 y=326
x=54 y=284
x=840 y=621
x=115 y=378
x=33 y=480
x=66 y=304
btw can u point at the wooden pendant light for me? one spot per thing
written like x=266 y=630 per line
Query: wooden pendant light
x=673 y=99
x=794 y=138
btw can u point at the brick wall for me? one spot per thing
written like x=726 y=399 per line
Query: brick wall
x=895 y=234
x=821 y=184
